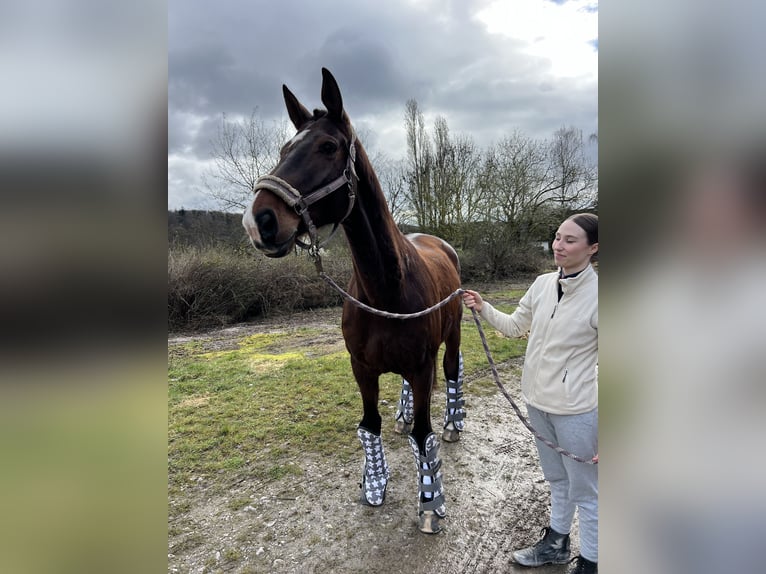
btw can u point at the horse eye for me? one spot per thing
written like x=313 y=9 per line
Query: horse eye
x=328 y=147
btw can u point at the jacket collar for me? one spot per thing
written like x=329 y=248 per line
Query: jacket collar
x=569 y=284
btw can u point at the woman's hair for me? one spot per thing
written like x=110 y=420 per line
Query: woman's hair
x=589 y=223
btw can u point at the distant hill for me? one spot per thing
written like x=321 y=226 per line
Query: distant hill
x=187 y=227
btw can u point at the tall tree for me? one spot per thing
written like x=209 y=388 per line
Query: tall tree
x=455 y=166
x=419 y=161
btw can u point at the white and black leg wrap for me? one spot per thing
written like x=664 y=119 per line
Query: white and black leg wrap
x=405 y=410
x=375 y=475
x=431 y=493
x=455 y=410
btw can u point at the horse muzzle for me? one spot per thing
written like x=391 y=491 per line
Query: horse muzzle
x=275 y=251
x=269 y=233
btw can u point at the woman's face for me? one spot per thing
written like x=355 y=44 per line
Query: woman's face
x=571 y=251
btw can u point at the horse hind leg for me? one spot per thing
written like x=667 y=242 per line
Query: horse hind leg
x=425 y=448
x=405 y=410
x=454 y=412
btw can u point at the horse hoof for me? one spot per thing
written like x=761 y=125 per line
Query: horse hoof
x=365 y=502
x=451 y=435
x=430 y=522
x=401 y=427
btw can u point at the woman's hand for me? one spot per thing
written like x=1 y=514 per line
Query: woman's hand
x=473 y=300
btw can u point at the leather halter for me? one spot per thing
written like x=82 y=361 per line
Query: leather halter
x=300 y=203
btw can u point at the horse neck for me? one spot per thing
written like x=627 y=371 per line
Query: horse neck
x=377 y=246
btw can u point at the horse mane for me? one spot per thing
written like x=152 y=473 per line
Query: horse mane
x=392 y=245
x=379 y=215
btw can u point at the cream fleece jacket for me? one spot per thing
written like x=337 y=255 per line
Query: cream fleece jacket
x=560 y=366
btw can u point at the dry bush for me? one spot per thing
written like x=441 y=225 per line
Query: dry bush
x=214 y=286
x=217 y=286
x=486 y=265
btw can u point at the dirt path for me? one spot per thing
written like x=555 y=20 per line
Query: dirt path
x=496 y=501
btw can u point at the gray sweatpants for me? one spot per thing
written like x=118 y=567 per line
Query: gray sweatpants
x=573 y=484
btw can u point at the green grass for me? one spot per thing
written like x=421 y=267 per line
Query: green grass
x=495 y=296
x=255 y=408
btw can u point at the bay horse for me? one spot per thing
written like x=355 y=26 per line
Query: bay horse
x=324 y=177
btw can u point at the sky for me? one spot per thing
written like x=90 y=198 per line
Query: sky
x=488 y=67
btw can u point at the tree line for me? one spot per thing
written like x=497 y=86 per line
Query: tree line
x=496 y=205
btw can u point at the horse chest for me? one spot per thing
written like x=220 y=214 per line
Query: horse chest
x=392 y=351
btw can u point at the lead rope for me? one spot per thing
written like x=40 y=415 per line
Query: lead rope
x=442 y=303
x=388 y=314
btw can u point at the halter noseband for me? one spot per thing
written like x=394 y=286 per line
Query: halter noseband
x=300 y=203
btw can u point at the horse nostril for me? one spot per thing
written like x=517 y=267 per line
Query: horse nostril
x=267 y=225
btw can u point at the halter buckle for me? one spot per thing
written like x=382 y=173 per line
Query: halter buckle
x=313 y=251
x=300 y=206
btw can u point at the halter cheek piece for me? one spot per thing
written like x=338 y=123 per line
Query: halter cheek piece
x=300 y=203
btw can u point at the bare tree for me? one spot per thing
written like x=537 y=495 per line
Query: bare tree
x=468 y=196
x=520 y=168
x=243 y=150
x=454 y=171
x=574 y=177
x=392 y=175
x=419 y=160
x=535 y=183
x=443 y=161
x=515 y=179
x=441 y=176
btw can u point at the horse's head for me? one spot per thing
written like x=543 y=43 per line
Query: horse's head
x=314 y=182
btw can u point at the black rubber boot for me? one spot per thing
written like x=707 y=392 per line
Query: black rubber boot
x=583 y=566
x=552 y=548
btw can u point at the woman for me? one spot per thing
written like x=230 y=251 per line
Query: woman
x=560 y=387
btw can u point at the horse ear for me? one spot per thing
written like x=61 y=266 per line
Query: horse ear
x=298 y=113
x=331 y=97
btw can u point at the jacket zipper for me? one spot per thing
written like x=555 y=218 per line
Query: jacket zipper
x=554 y=310
x=564 y=380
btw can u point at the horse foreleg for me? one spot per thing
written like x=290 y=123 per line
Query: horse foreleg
x=375 y=474
x=425 y=448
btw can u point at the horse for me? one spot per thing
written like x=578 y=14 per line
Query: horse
x=324 y=177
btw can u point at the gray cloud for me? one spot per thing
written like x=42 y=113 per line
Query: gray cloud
x=234 y=56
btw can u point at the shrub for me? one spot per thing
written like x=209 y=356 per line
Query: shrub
x=488 y=265
x=214 y=286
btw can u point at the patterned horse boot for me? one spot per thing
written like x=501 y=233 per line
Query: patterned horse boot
x=454 y=413
x=404 y=412
x=431 y=509
x=376 y=473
